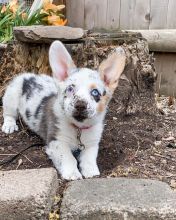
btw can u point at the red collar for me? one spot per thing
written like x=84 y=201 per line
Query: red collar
x=82 y=128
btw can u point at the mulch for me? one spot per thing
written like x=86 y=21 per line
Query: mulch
x=132 y=146
x=135 y=146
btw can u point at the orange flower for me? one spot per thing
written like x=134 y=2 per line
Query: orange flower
x=60 y=22
x=13 y=5
x=3 y=9
x=24 y=16
x=56 y=20
x=43 y=12
x=52 y=18
x=54 y=8
x=60 y=7
x=45 y=2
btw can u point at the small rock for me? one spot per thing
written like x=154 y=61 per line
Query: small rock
x=152 y=157
x=171 y=145
x=173 y=183
x=157 y=143
x=172 y=168
x=168 y=139
x=164 y=161
x=10 y=147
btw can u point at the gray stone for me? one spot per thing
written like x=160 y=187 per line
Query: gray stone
x=118 y=198
x=27 y=194
x=46 y=34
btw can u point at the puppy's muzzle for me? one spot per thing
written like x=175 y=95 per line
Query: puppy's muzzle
x=80 y=110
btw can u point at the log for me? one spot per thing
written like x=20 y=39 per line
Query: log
x=136 y=91
x=160 y=40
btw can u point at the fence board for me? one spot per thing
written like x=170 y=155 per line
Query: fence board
x=95 y=14
x=158 y=14
x=126 y=11
x=171 y=15
x=134 y=14
x=124 y=14
x=113 y=14
x=75 y=13
x=166 y=70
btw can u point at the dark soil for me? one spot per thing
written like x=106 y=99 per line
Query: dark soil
x=141 y=146
x=132 y=146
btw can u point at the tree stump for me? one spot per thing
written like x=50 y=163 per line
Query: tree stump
x=136 y=88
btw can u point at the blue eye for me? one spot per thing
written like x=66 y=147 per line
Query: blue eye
x=95 y=92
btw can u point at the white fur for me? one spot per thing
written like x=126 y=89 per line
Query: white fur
x=65 y=74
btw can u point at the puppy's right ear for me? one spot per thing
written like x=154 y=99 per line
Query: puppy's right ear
x=60 y=60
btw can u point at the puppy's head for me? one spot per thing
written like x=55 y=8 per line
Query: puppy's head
x=85 y=93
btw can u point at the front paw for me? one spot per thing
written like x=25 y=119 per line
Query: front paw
x=89 y=170
x=70 y=174
x=9 y=127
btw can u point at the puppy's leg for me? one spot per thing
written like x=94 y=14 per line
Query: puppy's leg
x=10 y=107
x=88 y=161
x=63 y=160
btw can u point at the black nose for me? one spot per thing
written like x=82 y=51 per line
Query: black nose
x=80 y=105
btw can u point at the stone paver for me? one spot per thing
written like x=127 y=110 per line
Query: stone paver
x=119 y=198
x=45 y=34
x=27 y=194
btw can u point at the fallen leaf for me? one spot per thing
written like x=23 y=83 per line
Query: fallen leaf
x=171 y=100
x=57 y=199
x=20 y=161
x=54 y=216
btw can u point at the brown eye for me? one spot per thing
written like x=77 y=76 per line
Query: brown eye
x=70 y=89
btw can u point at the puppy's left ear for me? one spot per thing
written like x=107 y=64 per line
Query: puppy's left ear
x=112 y=68
x=60 y=60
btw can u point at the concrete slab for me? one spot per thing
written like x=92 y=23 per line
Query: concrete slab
x=27 y=194
x=118 y=198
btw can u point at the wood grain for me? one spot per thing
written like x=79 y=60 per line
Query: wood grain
x=123 y=14
x=166 y=69
x=158 y=14
x=171 y=15
x=75 y=13
x=113 y=14
x=95 y=14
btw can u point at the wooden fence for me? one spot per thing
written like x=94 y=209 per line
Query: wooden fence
x=121 y=14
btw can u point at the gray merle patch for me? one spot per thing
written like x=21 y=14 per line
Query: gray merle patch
x=42 y=104
x=28 y=114
x=49 y=122
x=29 y=86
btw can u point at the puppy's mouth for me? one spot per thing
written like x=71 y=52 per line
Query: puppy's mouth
x=80 y=116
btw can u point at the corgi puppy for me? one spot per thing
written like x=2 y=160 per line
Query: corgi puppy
x=66 y=110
